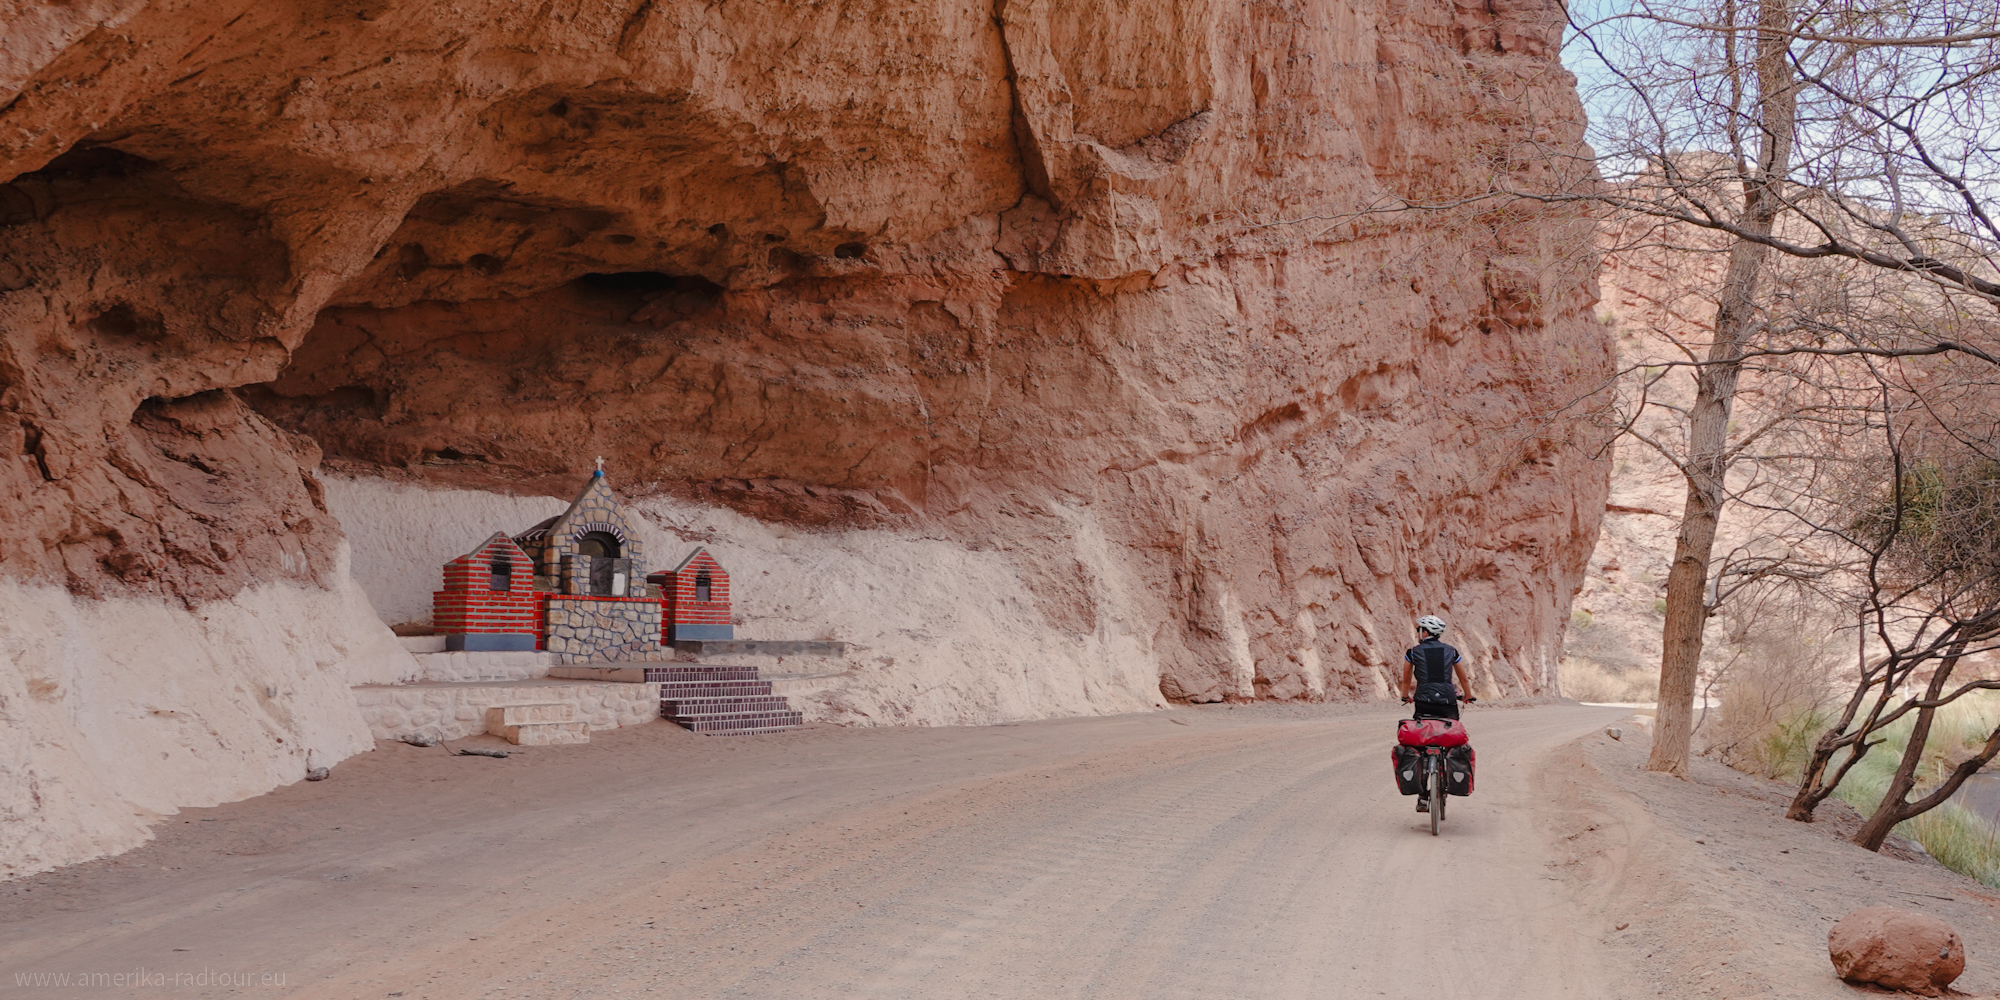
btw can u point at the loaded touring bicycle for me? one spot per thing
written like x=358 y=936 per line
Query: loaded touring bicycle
x=1433 y=760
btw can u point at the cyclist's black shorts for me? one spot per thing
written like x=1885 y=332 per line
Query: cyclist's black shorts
x=1437 y=710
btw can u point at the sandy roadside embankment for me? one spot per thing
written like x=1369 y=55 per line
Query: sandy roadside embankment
x=1701 y=888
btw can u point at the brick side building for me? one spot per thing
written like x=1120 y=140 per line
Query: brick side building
x=489 y=600
x=695 y=596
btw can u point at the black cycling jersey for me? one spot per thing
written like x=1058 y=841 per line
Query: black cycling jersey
x=1431 y=663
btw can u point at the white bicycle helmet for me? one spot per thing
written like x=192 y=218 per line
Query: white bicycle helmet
x=1431 y=625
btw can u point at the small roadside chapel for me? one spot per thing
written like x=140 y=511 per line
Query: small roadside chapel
x=576 y=585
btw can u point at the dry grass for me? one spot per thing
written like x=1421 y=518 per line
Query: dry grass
x=1588 y=680
x=1773 y=705
x=1959 y=838
x=1773 y=673
x=1780 y=750
x=1776 y=701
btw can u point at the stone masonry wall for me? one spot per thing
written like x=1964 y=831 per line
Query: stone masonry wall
x=596 y=510
x=579 y=629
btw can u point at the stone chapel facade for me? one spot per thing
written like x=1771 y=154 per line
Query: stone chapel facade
x=576 y=585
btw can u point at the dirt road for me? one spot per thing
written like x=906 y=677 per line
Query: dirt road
x=1256 y=852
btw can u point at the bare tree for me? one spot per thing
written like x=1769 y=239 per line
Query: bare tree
x=1849 y=133
x=1817 y=435
x=1776 y=664
x=1870 y=481
x=1928 y=595
x=1707 y=465
x=1829 y=131
x=1890 y=110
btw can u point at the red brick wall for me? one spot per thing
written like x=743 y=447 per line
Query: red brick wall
x=468 y=604
x=677 y=596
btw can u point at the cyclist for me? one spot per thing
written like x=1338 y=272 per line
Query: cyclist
x=1428 y=668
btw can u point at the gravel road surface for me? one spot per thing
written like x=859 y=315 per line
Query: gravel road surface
x=1257 y=852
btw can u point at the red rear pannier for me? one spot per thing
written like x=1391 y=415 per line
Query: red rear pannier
x=1408 y=765
x=1430 y=733
x=1458 y=762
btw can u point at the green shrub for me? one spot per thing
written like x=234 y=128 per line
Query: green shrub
x=1959 y=838
x=1783 y=751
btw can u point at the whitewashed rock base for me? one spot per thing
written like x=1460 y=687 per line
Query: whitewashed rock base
x=441 y=668
x=454 y=711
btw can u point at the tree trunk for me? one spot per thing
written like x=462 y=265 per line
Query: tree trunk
x=1891 y=810
x=1687 y=579
x=1895 y=806
x=1811 y=793
x=1812 y=790
x=1715 y=392
x=1939 y=795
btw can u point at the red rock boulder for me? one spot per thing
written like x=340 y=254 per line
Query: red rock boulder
x=1896 y=949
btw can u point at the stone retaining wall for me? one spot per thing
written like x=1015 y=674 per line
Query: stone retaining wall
x=455 y=711
x=584 y=629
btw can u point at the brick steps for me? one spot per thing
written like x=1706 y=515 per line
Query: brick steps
x=716 y=689
x=744 y=723
x=721 y=706
x=699 y=674
x=722 y=700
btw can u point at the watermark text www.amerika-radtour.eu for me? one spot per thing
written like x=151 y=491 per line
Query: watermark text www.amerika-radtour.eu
x=143 y=978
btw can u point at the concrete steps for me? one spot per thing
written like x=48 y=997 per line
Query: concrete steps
x=549 y=724
x=722 y=700
x=546 y=734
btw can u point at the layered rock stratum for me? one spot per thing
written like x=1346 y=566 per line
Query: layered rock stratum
x=1063 y=355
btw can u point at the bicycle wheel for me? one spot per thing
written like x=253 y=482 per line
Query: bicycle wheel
x=1437 y=793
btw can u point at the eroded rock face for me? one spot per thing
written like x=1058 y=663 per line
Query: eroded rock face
x=1897 y=949
x=131 y=312
x=930 y=268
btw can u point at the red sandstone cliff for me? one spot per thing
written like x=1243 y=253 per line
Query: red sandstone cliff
x=939 y=269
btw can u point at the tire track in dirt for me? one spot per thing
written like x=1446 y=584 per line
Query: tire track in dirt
x=1273 y=862
x=1199 y=853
